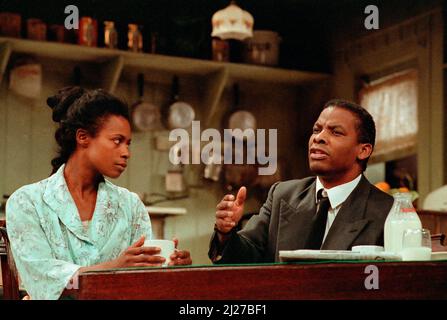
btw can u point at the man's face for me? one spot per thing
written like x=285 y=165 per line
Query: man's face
x=108 y=151
x=333 y=145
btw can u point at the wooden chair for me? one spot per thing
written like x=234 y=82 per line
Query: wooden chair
x=9 y=271
x=437 y=242
x=436 y=222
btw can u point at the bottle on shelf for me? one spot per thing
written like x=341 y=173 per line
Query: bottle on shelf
x=110 y=35
x=88 y=32
x=135 y=38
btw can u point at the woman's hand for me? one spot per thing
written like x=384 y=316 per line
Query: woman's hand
x=138 y=256
x=180 y=257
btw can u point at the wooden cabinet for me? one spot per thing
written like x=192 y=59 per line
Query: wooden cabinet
x=158 y=218
x=435 y=221
x=111 y=63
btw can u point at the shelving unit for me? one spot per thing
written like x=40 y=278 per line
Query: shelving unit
x=217 y=75
x=158 y=216
x=5 y=53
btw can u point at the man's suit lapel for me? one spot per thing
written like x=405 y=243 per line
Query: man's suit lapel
x=350 y=220
x=296 y=220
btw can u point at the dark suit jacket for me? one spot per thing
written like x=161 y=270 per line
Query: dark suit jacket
x=285 y=220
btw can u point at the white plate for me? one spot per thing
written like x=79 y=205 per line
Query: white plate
x=441 y=255
x=299 y=255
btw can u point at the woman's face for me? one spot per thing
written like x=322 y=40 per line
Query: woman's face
x=108 y=151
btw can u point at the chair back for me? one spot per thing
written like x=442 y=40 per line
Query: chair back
x=9 y=271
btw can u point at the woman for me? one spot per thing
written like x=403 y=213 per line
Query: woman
x=75 y=220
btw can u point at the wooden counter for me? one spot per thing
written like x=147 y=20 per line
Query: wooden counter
x=396 y=280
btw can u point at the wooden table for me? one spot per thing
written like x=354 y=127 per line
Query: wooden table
x=334 y=280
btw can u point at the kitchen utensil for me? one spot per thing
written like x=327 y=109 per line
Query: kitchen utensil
x=179 y=114
x=240 y=119
x=237 y=175
x=262 y=48
x=25 y=78
x=145 y=115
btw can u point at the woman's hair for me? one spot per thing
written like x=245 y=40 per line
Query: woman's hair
x=77 y=108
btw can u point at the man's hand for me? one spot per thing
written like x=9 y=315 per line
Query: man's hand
x=180 y=257
x=230 y=210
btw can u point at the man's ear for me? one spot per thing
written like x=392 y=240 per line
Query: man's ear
x=82 y=138
x=365 y=151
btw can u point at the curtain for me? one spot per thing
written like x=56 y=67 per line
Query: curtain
x=392 y=101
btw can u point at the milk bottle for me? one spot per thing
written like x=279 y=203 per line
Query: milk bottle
x=402 y=216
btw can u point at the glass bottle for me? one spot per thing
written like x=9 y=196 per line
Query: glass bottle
x=110 y=35
x=135 y=38
x=88 y=32
x=402 y=216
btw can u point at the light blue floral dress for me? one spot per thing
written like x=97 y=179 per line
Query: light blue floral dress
x=48 y=241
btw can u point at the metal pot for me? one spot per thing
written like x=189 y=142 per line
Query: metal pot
x=145 y=116
x=240 y=119
x=179 y=113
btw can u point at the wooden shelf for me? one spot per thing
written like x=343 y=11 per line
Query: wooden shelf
x=166 y=211
x=5 y=53
x=179 y=65
x=215 y=75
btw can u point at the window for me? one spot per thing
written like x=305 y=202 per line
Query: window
x=392 y=101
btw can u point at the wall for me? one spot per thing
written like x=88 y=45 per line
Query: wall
x=414 y=42
x=27 y=142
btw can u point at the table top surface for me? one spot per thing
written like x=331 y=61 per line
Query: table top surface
x=297 y=280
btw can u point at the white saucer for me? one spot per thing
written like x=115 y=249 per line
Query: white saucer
x=441 y=255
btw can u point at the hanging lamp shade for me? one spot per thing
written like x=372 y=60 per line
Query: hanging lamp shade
x=232 y=23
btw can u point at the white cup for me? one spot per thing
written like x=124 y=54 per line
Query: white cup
x=167 y=248
x=367 y=249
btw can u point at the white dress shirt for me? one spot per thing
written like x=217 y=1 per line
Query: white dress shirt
x=337 y=195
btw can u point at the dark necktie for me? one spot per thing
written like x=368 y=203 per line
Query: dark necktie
x=319 y=222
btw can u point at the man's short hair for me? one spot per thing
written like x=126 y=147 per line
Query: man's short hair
x=366 y=127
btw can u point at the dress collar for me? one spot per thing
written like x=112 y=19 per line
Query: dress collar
x=57 y=197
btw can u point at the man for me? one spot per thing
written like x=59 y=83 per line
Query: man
x=337 y=209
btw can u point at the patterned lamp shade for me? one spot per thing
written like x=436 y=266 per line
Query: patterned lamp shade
x=232 y=23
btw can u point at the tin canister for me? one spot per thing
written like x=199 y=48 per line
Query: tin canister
x=135 y=38
x=221 y=49
x=36 y=29
x=10 y=24
x=56 y=32
x=88 y=32
x=262 y=48
x=110 y=35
